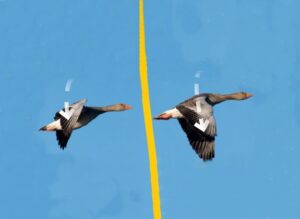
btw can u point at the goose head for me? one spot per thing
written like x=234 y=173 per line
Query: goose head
x=122 y=107
x=244 y=95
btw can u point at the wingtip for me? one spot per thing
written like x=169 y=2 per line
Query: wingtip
x=62 y=146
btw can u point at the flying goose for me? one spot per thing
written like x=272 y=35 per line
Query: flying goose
x=81 y=116
x=196 y=118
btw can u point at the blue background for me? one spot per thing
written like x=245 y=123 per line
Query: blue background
x=236 y=45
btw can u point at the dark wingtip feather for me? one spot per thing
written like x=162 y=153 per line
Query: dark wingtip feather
x=62 y=139
x=62 y=147
x=63 y=143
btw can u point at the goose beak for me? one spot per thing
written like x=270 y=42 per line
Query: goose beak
x=163 y=116
x=248 y=95
x=128 y=107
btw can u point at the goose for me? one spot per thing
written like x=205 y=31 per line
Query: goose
x=81 y=116
x=196 y=118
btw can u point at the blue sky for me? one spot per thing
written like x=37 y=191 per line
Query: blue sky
x=237 y=45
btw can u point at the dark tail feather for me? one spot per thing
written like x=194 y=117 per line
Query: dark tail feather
x=44 y=128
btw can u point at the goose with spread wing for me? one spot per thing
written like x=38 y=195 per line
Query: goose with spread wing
x=196 y=118
x=81 y=115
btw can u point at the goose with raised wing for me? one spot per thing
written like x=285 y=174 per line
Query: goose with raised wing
x=196 y=118
x=81 y=115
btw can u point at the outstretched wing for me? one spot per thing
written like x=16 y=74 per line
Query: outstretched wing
x=203 y=142
x=62 y=139
x=68 y=124
x=203 y=145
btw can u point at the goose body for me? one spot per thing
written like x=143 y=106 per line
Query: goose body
x=81 y=116
x=196 y=110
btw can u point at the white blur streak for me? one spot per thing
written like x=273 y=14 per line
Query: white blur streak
x=68 y=85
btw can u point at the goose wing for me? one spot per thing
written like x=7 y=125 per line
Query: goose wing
x=62 y=138
x=203 y=142
x=68 y=124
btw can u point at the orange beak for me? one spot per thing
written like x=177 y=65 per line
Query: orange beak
x=128 y=107
x=249 y=95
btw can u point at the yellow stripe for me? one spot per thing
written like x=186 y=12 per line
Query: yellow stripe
x=148 y=116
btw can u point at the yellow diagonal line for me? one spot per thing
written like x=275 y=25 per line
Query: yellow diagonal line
x=147 y=115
